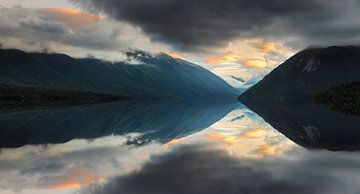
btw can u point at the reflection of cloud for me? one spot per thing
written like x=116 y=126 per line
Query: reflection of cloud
x=251 y=143
x=237 y=118
x=196 y=170
x=73 y=178
x=71 y=165
x=255 y=133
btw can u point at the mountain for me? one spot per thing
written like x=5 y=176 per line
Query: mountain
x=286 y=98
x=146 y=76
x=161 y=121
x=309 y=72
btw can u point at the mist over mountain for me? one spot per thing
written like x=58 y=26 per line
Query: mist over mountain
x=146 y=76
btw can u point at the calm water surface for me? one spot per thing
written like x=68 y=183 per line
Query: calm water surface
x=194 y=147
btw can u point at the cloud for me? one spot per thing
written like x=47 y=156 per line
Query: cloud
x=75 y=19
x=69 y=31
x=189 y=24
x=197 y=170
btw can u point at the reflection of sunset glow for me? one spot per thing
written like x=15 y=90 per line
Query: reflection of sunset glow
x=269 y=150
x=174 y=142
x=75 y=178
x=255 y=142
x=255 y=133
x=227 y=139
x=65 y=186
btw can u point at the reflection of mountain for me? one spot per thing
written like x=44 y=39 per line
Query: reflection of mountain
x=160 y=121
x=285 y=98
x=143 y=76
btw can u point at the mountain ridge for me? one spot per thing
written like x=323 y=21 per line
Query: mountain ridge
x=152 y=76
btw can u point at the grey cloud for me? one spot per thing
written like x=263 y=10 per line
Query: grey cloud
x=192 y=24
x=195 y=170
x=32 y=30
x=45 y=26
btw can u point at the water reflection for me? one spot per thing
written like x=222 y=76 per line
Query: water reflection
x=309 y=124
x=172 y=147
x=156 y=120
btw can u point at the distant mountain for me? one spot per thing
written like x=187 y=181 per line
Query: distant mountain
x=286 y=98
x=147 y=76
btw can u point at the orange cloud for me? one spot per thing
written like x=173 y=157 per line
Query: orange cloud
x=255 y=63
x=174 y=54
x=72 y=17
x=229 y=56
x=267 y=47
x=66 y=11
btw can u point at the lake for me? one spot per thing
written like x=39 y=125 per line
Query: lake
x=184 y=146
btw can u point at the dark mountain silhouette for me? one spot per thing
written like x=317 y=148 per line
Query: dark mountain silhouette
x=286 y=98
x=156 y=120
x=147 y=76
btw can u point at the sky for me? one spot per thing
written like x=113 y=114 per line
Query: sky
x=241 y=41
